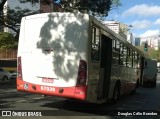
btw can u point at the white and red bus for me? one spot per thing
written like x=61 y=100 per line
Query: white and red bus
x=76 y=57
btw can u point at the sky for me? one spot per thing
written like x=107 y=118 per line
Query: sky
x=142 y=15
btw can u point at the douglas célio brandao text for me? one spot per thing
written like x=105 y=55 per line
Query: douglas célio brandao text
x=134 y=113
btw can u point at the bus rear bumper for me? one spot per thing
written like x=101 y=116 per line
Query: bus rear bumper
x=149 y=82
x=65 y=92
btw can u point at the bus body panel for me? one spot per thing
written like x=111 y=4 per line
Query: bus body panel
x=150 y=72
x=127 y=76
x=50 y=50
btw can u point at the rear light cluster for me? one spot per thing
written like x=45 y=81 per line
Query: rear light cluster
x=19 y=68
x=82 y=73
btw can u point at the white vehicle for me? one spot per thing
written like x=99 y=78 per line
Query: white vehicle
x=75 y=56
x=4 y=75
x=150 y=72
x=13 y=75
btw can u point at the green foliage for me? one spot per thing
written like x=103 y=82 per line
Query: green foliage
x=94 y=7
x=158 y=55
x=116 y=3
x=151 y=52
x=13 y=18
x=2 y=3
x=7 y=41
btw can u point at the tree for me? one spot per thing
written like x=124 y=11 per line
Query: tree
x=7 y=41
x=2 y=4
x=151 y=52
x=12 y=18
x=94 y=7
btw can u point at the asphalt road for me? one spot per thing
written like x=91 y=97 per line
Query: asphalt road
x=145 y=99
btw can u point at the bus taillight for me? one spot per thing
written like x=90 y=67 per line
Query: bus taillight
x=82 y=73
x=19 y=68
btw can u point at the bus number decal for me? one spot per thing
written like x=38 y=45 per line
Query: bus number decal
x=47 y=88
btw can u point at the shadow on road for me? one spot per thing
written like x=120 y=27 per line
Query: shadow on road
x=9 y=95
x=141 y=101
x=8 y=85
x=83 y=107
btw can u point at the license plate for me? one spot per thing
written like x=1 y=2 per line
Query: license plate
x=47 y=80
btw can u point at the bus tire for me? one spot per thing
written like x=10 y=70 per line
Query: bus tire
x=137 y=83
x=116 y=92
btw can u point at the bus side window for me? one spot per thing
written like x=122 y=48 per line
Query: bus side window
x=124 y=55
x=115 y=54
x=95 y=44
x=135 y=60
x=129 y=57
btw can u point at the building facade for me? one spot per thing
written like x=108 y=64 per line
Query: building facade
x=113 y=25
x=153 y=41
x=137 y=41
x=119 y=28
x=45 y=7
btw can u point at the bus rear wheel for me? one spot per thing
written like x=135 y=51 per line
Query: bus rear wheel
x=138 y=83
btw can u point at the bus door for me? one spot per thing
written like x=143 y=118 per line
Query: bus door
x=105 y=67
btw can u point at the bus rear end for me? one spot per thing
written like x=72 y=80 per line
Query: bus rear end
x=150 y=72
x=52 y=55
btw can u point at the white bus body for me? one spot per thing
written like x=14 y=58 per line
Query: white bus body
x=70 y=55
x=50 y=53
x=150 y=72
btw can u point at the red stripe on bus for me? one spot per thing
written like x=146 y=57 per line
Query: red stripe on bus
x=67 y=92
x=128 y=87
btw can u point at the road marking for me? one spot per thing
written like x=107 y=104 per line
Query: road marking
x=21 y=101
x=37 y=98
